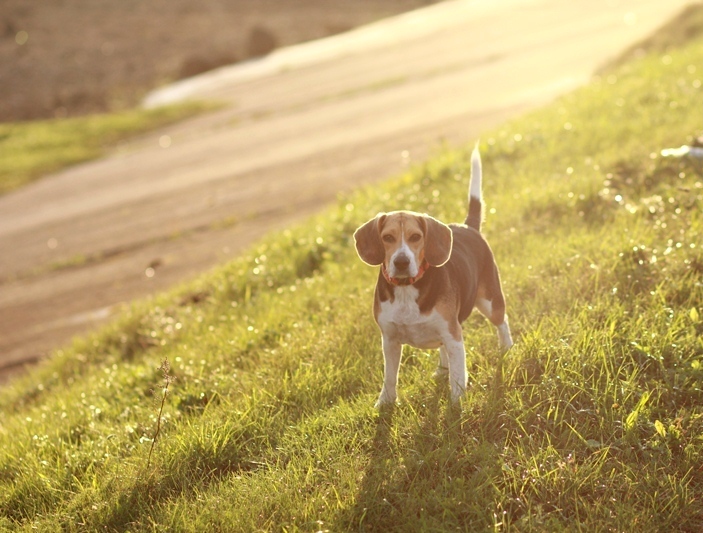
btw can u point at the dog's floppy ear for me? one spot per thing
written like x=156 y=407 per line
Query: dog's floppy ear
x=368 y=241
x=438 y=241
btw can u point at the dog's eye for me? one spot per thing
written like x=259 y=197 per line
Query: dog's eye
x=415 y=237
x=388 y=238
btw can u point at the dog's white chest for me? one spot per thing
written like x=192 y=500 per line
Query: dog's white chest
x=402 y=321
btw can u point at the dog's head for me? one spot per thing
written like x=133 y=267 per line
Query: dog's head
x=402 y=240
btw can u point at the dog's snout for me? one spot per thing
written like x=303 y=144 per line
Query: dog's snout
x=401 y=262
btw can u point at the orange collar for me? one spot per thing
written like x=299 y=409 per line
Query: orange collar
x=405 y=281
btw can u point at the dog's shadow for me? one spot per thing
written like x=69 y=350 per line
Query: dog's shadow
x=374 y=484
x=378 y=496
x=442 y=424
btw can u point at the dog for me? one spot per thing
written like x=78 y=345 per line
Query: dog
x=432 y=276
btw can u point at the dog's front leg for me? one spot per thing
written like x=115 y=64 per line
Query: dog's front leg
x=456 y=355
x=443 y=367
x=391 y=363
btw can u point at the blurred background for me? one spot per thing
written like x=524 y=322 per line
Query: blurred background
x=68 y=57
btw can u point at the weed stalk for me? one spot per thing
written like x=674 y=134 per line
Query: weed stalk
x=168 y=379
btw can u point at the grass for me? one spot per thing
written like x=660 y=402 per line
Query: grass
x=685 y=27
x=592 y=422
x=29 y=150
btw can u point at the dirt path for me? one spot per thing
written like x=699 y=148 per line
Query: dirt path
x=303 y=125
x=79 y=56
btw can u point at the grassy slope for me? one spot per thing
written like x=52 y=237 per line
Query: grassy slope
x=592 y=422
x=29 y=150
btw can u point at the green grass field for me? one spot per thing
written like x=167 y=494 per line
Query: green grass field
x=592 y=422
x=29 y=150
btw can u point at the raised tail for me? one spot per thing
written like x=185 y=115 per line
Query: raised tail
x=474 y=216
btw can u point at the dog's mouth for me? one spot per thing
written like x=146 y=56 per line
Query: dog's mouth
x=403 y=276
x=400 y=271
x=400 y=265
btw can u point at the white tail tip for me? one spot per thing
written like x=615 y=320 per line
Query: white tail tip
x=475 y=189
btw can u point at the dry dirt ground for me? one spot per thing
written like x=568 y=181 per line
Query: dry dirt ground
x=60 y=57
x=298 y=127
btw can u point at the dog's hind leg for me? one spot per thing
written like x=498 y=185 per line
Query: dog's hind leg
x=496 y=314
x=504 y=338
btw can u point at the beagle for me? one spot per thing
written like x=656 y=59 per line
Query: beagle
x=432 y=276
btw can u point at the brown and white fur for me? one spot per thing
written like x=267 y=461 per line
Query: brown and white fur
x=432 y=276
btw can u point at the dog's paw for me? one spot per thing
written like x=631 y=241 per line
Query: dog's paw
x=385 y=400
x=441 y=373
x=457 y=393
x=505 y=339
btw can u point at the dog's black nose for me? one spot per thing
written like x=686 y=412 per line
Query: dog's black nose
x=401 y=262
